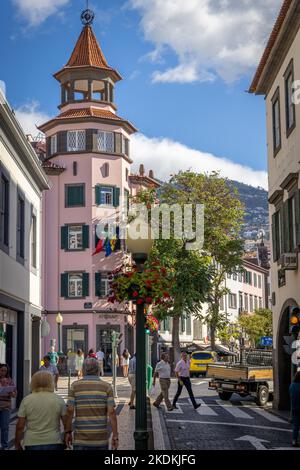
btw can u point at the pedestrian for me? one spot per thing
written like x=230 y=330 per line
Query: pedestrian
x=92 y=401
x=100 y=356
x=79 y=363
x=125 y=362
x=51 y=368
x=92 y=354
x=40 y=416
x=54 y=358
x=295 y=405
x=163 y=371
x=5 y=403
x=132 y=381
x=182 y=371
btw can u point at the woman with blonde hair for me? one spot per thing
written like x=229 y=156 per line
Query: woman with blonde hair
x=40 y=414
x=79 y=363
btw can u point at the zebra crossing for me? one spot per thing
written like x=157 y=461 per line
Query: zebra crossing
x=239 y=410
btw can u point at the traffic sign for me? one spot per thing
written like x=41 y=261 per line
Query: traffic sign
x=266 y=341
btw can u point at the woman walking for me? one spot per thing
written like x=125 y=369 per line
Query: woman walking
x=41 y=413
x=79 y=363
x=5 y=404
x=295 y=404
x=125 y=362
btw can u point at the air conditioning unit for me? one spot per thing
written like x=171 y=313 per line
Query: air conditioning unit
x=289 y=261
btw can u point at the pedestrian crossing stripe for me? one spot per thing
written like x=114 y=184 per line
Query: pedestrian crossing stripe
x=235 y=411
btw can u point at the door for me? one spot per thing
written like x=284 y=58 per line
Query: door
x=104 y=342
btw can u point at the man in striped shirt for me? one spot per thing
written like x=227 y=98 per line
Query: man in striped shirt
x=92 y=400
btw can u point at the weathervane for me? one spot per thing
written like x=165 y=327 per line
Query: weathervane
x=87 y=16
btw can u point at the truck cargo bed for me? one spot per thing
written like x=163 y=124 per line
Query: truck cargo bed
x=240 y=372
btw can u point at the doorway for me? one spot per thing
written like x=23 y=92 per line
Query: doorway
x=103 y=342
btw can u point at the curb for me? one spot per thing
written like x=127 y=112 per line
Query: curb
x=161 y=438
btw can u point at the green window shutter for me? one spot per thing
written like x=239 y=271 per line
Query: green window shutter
x=64 y=285
x=86 y=236
x=85 y=285
x=48 y=146
x=286 y=228
x=118 y=142
x=274 y=238
x=64 y=237
x=74 y=196
x=118 y=243
x=127 y=147
x=62 y=142
x=116 y=197
x=281 y=232
x=96 y=238
x=297 y=216
x=98 y=284
x=98 y=195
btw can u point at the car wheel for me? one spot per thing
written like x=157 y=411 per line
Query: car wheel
x=225 y=395
x=262 y=396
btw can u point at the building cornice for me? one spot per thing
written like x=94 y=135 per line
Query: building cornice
x=276 y=197
x=15 y=134
x=254 y=267
x=280 y=41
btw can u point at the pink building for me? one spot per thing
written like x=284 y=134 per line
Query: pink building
x=88 y=163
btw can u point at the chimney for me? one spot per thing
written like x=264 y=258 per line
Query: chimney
x=151 y=174
x=142 y=170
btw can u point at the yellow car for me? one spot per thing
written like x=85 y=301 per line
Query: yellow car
x=199 y=362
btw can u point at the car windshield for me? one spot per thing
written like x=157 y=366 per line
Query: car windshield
x=202 y=356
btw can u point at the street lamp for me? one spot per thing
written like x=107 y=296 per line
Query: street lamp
x=59 y=319
x=140 y=247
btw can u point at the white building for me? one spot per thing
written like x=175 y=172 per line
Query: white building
x=22 y=181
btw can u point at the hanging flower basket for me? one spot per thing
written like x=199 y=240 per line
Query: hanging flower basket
x=152 y=323
x=152 y=286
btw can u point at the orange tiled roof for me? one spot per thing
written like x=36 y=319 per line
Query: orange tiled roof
x=272 y=39
x=87 y=51
x=88 y=112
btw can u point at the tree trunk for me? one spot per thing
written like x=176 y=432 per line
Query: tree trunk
x=213 y=337
x=175 y=340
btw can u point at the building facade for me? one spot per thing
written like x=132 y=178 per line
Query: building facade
x=278 y=70
x=22 y=182
x=88 y=163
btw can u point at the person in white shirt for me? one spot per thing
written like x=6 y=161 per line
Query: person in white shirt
x=163 y=372
x=182 y=371
x=100 y=356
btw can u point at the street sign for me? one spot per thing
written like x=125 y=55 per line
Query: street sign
x=266 y=341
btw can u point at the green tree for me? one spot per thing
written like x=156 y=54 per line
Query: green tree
x=257 y=325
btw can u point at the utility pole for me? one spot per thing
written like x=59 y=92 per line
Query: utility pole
x=115 y=341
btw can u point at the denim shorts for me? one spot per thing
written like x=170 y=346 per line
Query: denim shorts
x=46 y=447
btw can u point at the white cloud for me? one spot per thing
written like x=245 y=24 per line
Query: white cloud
x=30 y=116
x=167 y=157
x=37 y=11
x=211 y=38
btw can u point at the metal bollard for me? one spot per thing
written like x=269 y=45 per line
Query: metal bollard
x=69 y=382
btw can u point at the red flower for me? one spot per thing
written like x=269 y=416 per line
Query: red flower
x=148 y=300
x=140 y=301
x=166 y=295
x=135 y=293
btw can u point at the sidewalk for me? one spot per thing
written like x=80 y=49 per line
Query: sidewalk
x=126 y=416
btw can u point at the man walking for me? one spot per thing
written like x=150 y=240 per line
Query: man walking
x=182 y=371
x=100 y=357
x=131 y=379
x=163 y=371
x=53 y=356
x=92 y=400
x=51 y=368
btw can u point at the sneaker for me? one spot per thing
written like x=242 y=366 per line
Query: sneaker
x=156 y=406
x=197 y=406
x=175 y=407
x=171 y=409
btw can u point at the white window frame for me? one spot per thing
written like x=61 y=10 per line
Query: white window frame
x=232 y=300
x=79 y=141
x=104 y=285
x=77 y=232
x=108 y=141
x=53 y=144
x=106 y=191
x=77 y=280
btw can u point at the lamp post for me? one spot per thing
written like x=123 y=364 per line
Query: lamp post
x=140 y=249
x=59 y=319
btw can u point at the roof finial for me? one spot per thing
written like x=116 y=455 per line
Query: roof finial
x=87 y=16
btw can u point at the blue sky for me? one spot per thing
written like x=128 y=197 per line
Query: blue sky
x=184 y=90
